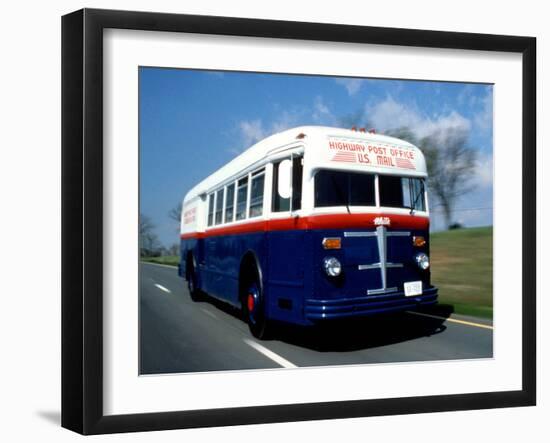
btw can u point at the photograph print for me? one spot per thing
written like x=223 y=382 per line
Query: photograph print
x=292 y=221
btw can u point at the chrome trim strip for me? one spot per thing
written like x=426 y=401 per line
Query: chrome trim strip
x=380 y=291
x=378 y=265
x=374 y=234
x=373 y=266
x=360 y=234
x=381 y=238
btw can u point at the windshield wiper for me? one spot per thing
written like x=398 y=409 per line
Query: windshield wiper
x=340 y=193
x=421 y=191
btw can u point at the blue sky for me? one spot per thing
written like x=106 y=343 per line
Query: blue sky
x=192 y=122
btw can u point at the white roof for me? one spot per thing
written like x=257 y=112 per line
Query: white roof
x=316 y=138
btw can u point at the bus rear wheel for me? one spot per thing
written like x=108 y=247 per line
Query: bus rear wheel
x=254 y=310
x=194 y=293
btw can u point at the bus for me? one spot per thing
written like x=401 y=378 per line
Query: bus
x=309 y=225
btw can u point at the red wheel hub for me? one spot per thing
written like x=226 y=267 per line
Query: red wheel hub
x=250 y=302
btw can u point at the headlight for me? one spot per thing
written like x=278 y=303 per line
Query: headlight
x=422 y=261
x=332 y=266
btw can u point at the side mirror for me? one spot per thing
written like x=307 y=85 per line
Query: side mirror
x=284 y=183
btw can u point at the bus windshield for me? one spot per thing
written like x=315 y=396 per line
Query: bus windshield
x=344 y=188
x=402 y=192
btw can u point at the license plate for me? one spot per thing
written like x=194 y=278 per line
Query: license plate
x=413 y=288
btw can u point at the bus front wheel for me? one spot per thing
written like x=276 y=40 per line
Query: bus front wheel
x=254 y=309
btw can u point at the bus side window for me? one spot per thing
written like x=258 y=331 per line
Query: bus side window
x=242 y=191
x=279 y=203
x=210 y=209
x=229 y=203
x=219 y=206
x=257 y=193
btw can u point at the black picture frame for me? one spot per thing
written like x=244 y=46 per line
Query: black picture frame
x=82 y=215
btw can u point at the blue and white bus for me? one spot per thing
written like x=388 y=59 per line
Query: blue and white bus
x=311 y=224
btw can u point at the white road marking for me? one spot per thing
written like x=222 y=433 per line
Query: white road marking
x=454 y=320
x=162 y=288
x=270 y=354
x=211 y=314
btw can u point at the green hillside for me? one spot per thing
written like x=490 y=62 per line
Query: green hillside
x=462 y=269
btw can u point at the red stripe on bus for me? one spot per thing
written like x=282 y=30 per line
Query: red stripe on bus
x=329 y=221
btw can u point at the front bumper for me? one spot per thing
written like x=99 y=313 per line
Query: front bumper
x=362 y=306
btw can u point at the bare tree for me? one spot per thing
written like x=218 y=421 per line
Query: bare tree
x=450 y=162
x=175 y=213
x=149 y=244
x=403 y=133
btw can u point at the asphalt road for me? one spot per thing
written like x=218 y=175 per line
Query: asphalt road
x=179 y=335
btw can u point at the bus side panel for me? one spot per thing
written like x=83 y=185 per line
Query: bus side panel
x=184 y=245
x=195 y=246
x=285 y=285
x=223 y=255
x=187 y=245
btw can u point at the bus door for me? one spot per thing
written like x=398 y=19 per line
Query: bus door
x=286 y=247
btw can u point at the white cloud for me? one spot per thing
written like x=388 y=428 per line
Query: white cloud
x=484 y=118
x=390 y=114
x=251 y=131
x=352 y=85
x=321 y=112
x=452 y=123
x=284 y=121
x=466 y=96
x=483 y=170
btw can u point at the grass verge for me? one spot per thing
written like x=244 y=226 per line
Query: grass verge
x=462 y=269
x=168 y=260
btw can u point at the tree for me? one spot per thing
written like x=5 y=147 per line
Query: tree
x=403 y=133
x=175 y=213
x=450 y=162
x=149 y=244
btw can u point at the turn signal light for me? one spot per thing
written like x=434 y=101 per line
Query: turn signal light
x=332 y=243
x=419 y=241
